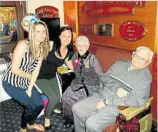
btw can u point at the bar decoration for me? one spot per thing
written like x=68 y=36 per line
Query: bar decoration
x=132 y=30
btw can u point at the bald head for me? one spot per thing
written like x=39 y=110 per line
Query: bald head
x=142 y=57
x=146 y=51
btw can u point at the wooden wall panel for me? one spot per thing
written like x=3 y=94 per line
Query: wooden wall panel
x=154 y=88
x=71 y=16
x=144 y=15
x=69 y=13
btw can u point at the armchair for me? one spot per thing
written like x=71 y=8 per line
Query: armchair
x=143 y=112
x=145 y=121
x=107 y=56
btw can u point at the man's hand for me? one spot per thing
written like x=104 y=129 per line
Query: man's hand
x=29 y=92
x=100 y=105
x=121 y=92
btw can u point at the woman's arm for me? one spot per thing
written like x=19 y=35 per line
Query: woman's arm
x=18 y=54
x=97 y=66
x=34 y=77
x=51 y=44
x=49 y=56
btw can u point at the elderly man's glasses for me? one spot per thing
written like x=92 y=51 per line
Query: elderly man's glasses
x=81 y=45
x=140 y=58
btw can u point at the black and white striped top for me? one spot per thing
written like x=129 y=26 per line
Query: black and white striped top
x=27 y=65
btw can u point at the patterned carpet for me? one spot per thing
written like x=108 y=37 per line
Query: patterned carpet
x=10 y=113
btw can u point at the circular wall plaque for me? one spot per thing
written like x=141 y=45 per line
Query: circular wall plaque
x=132 y=30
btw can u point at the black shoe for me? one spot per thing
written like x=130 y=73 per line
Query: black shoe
x=73 y=130
x=48 y=127
x=67 y=124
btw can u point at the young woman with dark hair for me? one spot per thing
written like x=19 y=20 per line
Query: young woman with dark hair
x=60 y=52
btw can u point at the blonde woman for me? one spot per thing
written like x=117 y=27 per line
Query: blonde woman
x=20 y=77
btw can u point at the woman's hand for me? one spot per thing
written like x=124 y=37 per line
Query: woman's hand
x=69 y=64
x=29 y=92
x=29 y=76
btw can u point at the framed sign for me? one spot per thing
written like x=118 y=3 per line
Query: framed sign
x=47 y=12
x=102 y=8
x=105 y=29
x=86 y=29
x=132 y=30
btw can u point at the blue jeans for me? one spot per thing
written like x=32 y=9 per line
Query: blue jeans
x=32 y=105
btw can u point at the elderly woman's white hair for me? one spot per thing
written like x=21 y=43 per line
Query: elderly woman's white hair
x=82 y=39
x=146 y=49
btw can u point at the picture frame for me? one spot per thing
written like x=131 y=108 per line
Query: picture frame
x=86 y=29
x=105 y=29
x=20 y=11
x=8 y=24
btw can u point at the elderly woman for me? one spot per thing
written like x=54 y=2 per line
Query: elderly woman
x=87 y=70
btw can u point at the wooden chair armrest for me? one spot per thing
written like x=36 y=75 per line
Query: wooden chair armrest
x=145 y=105
x=122 y=107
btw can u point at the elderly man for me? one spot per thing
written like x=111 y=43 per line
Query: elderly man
x=126 y=83
x=87 y=70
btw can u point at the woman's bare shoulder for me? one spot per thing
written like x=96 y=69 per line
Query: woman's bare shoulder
x=22 y=45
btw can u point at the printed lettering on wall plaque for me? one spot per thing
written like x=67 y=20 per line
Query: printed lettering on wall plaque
x=132 y=30
x=86 y=29
x=102 y=8
x=47 y=12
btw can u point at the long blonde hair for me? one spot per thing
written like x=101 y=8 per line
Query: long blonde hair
x=44 y=45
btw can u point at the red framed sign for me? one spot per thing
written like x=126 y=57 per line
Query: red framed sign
x=86 y=29
x=47 y=12
x=101 y=8
x=132 y=30
x=111 y=10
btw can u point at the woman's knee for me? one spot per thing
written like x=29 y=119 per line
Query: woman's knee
x=76 y=109
x=53 y=100
x=52 y=103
